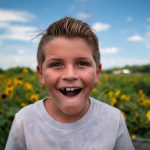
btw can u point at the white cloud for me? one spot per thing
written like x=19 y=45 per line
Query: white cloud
x=129 y=19
x=15 y=16
x=4 y=25
x=135 y=38
x=83 y=15
x=21 y=29
x=98 y=26
x=12 y=25
x=147 y=40
x=18 y=59
x=21 y=52
x=109 y=50
x=148 y=19
x=144 y=40
x=148 y=28
x=21 y=33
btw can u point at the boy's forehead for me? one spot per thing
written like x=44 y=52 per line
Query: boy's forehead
x=62 y=43
x=63 y=54
x=70 y=49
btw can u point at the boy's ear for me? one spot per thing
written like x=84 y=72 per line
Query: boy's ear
x=40 y=74
x=98 y=72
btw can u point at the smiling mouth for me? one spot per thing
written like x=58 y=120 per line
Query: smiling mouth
x=70 y=91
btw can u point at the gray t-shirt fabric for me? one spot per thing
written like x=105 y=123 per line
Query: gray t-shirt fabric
x=101 y=128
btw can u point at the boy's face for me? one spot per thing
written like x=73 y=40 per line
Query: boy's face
x=69 y=73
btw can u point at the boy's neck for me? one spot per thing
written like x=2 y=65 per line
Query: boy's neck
x=60 y=116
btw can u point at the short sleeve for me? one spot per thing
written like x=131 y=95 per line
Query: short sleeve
x=123 y=140
x=16 y=140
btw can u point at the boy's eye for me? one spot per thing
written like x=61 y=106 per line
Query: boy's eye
x=56 y=65
x=83 y=63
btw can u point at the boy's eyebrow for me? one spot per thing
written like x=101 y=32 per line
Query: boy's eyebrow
x=82 y=58
x=62 y=60
x=55 y=59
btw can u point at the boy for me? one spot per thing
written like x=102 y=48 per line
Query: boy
x=69 y=67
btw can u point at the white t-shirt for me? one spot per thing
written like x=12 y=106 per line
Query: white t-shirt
x=101 y=128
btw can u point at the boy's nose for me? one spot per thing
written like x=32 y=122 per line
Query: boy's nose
x=70 y=74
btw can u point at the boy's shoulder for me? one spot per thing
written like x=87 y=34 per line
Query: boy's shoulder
x=105 y=108
x=29 y=111
x=106 y=115
x=103 y=104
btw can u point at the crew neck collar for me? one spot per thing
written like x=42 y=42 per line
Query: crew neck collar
x=51 y=121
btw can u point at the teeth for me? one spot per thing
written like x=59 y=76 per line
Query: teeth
x=69 y=89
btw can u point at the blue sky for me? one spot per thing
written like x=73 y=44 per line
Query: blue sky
x=122 y=26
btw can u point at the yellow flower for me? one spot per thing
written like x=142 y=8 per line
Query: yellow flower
x=34 y=97
x=25 y=70
x=28 y=86
x=141 y=93
x=133 y=136
x=9 y=89
x=113 y=101
x=124 y=97
x=94 y=90
x=148 y=115
x=17 y=82
x=117 y=93
x=110 y=94
x=145 y=102
x=1 y=110
x=23 y=104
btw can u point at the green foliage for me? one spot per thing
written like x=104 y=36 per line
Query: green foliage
x=130 y=93
x=18 y=88
x=139 y=69
x=1 y=71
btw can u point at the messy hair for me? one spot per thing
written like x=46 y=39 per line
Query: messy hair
x=70 y=28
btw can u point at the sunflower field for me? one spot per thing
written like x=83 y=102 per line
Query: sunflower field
x=128 y=92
